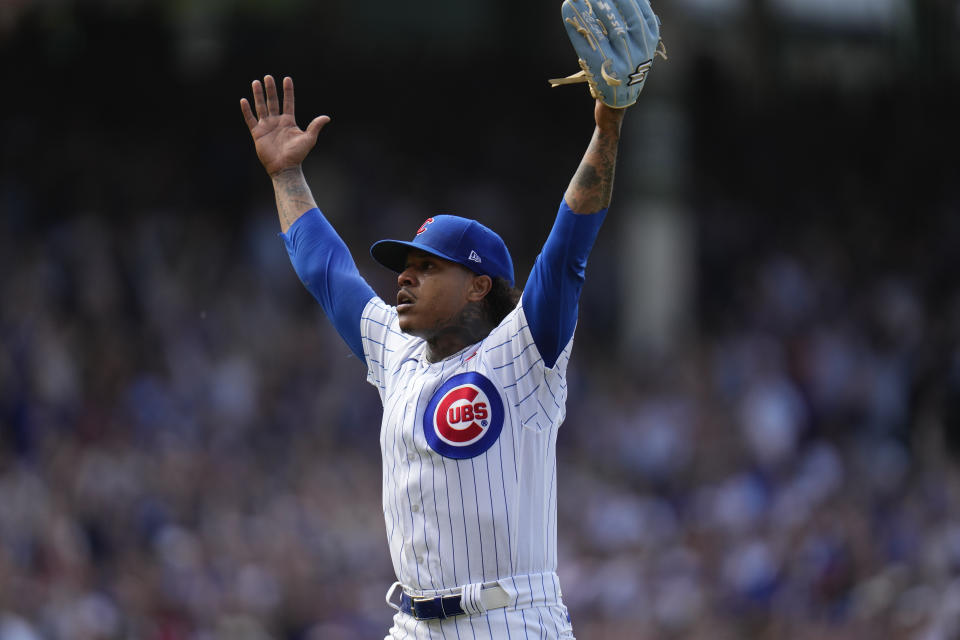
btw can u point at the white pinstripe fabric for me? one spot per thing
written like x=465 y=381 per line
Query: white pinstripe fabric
x=534 y=623
x=492 y=517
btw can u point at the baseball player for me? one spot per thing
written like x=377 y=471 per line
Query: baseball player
x=472 y=381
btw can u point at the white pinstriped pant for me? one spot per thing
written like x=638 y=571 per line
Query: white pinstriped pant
x=537 y=612
x=532 y=623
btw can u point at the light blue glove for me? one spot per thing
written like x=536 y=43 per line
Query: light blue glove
x=616 y=41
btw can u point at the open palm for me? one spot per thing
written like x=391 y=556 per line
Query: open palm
x=280 y=143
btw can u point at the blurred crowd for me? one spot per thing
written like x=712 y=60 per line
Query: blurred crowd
x=188 y=451
x=793 y=476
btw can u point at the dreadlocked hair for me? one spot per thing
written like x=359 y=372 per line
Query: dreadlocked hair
x=501 y=300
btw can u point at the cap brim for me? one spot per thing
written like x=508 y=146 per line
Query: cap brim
x=393 y=253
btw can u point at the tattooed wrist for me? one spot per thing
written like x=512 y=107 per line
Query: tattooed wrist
x=293 y=195
x=592 y=184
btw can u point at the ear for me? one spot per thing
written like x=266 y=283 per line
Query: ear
x=479 y=287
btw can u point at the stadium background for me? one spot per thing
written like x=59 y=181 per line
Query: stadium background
x=762 y=434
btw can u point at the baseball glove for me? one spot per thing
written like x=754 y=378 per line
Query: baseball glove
x=616 y=41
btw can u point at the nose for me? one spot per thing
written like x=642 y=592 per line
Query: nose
x=405 y=278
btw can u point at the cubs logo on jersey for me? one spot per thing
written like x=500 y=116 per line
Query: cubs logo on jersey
x=464 y=417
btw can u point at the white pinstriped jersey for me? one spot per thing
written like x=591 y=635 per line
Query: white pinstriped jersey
x=469 y=452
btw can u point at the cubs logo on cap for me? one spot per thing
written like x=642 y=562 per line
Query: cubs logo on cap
x=464 y=417
x=460 y=240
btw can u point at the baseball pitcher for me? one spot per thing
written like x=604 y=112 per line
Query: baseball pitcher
x=471 y=373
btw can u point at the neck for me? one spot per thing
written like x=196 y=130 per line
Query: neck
x=468 y=327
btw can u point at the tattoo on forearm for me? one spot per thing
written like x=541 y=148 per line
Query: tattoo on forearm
x=293 y=196
x=592 y=184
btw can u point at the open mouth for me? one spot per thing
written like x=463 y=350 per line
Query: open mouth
x=404 y=300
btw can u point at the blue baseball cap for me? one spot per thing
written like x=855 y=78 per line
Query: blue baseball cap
x=460 y=240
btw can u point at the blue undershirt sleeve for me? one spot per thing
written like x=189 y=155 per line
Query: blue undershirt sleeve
x=326 y=268
x=551 y=296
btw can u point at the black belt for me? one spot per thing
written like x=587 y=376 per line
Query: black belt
x=478 y=598
x=436 y=608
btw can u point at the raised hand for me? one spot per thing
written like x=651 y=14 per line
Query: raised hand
x=280 y=143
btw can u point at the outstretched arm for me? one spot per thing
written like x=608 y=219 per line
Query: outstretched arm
x=552 y=294
x=282 y=146
x=592 y=184
x=319 y=256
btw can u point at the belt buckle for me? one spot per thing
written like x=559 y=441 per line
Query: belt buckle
x=415 y=601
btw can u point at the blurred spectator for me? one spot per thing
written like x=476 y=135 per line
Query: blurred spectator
x=175 y=465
